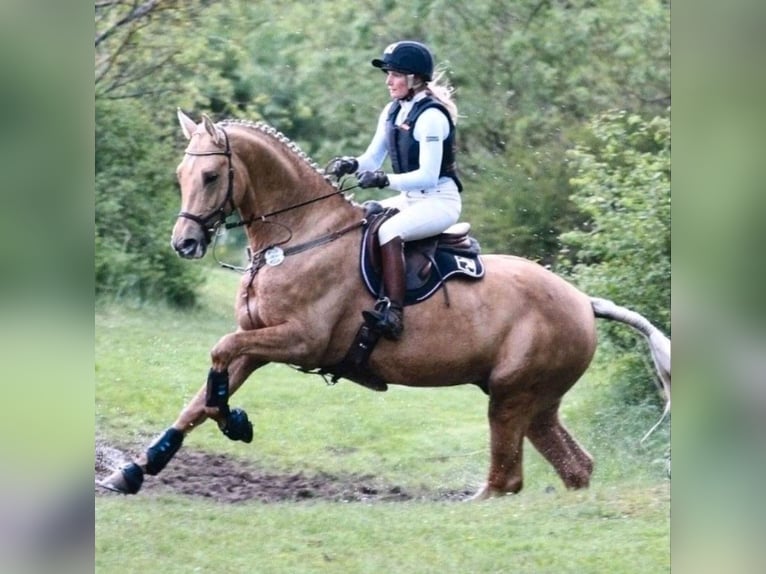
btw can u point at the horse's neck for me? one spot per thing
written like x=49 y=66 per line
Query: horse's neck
x=281 y=187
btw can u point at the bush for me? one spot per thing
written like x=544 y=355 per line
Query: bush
x=622 y=252
x=135 y=208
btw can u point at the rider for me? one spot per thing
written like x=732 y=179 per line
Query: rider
x=417 y=130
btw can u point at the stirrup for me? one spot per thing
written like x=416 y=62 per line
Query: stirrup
x=386 y=318
x=379 y=314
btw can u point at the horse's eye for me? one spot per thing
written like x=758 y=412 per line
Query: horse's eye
x=209 y=177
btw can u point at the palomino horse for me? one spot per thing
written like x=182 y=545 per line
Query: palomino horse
x=522 y=334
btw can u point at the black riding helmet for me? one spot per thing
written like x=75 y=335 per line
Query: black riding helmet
x=408 y=57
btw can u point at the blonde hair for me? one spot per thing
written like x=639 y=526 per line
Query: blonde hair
x=442 y=90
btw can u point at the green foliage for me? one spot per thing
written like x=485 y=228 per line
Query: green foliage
x=527 y=85
x=621 y=184
x=528 y=75
x=135 y=208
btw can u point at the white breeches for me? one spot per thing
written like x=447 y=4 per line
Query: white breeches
x=421 y=213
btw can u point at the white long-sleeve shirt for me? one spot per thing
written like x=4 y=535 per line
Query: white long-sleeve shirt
x=431 y=129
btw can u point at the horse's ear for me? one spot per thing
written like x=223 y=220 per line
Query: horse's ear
x=187 y=124
x=214 y=132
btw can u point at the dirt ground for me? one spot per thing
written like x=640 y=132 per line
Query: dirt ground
x=224 y=479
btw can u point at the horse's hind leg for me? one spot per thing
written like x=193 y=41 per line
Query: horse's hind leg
x=572 y=463
x=508 y=420
x=129 y=478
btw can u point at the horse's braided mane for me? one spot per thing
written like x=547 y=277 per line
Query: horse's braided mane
x=281 y=138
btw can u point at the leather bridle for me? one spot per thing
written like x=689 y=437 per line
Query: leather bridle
x=210 y=222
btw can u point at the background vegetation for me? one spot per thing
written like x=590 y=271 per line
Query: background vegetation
x=564 y=132
x=565 y=152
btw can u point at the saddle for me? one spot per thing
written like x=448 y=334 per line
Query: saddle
x=429 y=262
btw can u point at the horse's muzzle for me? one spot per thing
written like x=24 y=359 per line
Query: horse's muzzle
x=189 y=247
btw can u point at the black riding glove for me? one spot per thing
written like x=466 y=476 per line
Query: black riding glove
x=372 y=179
x=340 y=166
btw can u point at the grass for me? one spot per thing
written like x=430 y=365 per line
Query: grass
x=601 y=531
x=151 y=359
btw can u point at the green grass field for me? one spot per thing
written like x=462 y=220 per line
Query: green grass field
x=149 y=362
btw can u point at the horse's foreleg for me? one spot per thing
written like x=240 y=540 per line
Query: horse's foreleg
x=211 y=401
x=572 y=463
x=286 y=343
x=289 y=342
x=508 y=420
x=233 y=422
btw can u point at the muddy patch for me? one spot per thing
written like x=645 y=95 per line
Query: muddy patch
x=225 y=479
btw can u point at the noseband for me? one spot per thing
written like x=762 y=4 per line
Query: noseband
x=210 y=222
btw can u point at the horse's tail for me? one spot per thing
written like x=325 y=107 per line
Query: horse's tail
x=659 y=344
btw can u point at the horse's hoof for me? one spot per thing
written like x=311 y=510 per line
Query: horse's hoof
x=238 y=426
x=125 y=480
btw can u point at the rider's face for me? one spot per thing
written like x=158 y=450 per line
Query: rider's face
x=397 y=84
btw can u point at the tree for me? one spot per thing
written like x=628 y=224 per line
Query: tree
x=535 y=73
x=134 y=153
x=134 y=214
x=133 y=56
x=529 y=76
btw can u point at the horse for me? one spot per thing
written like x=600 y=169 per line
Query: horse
x=521 y=333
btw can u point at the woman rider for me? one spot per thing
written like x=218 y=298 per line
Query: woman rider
x=417 y=130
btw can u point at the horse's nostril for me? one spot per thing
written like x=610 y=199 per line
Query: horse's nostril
x=187 y=246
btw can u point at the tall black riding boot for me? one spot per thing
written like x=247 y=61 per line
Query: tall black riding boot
x=387 y=317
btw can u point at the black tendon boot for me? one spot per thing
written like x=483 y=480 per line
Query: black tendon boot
x=387 y=316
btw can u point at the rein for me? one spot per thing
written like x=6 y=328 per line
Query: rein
x=246 y=222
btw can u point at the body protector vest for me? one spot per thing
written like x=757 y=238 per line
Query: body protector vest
x=404 y=149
